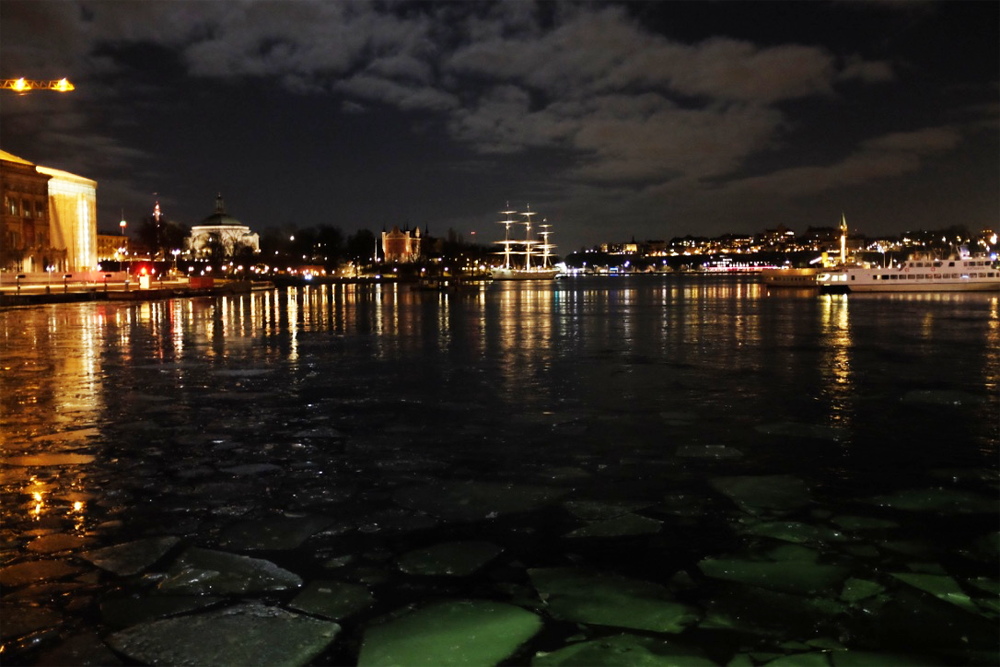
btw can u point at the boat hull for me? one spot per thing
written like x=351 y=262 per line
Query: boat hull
x=794 y=278
x=975 y=274
x=524 y=274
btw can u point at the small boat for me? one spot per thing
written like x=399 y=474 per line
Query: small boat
x=958 y=273
x=527 y=247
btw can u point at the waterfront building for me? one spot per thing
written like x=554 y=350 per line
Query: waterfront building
x=112 y=247
x=401 y=247
x=220 y=231
x=49 y=218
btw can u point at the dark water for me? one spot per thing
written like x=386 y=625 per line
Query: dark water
x=706 y=434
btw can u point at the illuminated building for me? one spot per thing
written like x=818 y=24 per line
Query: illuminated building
x=221 y=231
x=399 y=246
x=49 y=218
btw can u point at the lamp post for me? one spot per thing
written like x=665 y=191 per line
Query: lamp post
x=175 y=252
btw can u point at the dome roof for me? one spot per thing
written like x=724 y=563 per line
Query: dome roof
x=219 y=218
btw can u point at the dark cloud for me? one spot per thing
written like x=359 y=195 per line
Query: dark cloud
x=624 y=113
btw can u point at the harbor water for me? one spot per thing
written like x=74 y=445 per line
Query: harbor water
x=681 y=470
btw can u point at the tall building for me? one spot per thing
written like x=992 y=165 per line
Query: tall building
x=49 y=218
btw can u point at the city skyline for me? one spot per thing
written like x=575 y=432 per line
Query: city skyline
x=614 y=121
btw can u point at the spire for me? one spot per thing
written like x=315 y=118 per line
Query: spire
x=220 y=207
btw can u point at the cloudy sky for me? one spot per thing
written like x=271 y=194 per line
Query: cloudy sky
x=614 y=121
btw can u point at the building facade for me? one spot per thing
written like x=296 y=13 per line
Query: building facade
x=49 y=219
x=220 y=232
x=400 y=247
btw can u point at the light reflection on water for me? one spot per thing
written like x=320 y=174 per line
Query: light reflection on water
x=105 y=404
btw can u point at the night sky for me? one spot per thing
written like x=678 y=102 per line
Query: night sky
x=614 y=121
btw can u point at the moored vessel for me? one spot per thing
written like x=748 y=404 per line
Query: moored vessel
x=958 y=273
x=527 y=247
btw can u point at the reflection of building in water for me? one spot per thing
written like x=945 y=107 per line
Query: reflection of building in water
x=401 y=246
x=222 y=232
x=49 y=218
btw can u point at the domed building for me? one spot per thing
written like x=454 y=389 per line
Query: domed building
x=220 y=230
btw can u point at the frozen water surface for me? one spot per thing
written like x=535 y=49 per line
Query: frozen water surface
x=647 y=470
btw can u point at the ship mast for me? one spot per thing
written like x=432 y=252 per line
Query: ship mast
x=507 y=222
x=527 y=236
x=546 y=246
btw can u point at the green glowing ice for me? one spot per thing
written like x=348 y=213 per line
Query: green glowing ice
x=940 y=586
x=793 y=531
x=801 y=577
x=458 y=632
x=859 y=589
x=626 y=650
x=455 y=559
x=606 y=599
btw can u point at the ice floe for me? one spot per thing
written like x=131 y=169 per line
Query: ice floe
x=245 y=634
x=584 y=596
x=457 y=632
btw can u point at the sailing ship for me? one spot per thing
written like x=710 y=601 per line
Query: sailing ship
x=528 y=247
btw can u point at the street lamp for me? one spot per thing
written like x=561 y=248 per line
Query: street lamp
x=175 y=252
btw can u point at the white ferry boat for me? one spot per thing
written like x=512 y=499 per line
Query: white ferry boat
x=543 y=270
x=964 y=273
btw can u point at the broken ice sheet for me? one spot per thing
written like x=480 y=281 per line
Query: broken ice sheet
x=767 y=492
x=19 y=621
x=708 y=452
x=35 y=571
x=273 y=533
x=457 y=559
x=332 y=599
x=941 y=397
x=55 y=542
x=792 y=531
x=206 y=572
x=129 y=611
x=131 y=557
x=595 y=510
x=459 y=632
x=626 y=650
x=628 y=524
x=246 y=634
x=859 y=589
x=940 y=586
x=472 y=500
x=798 y=430
x=849 y=522
x=938 y=499
x=797 y=575
x=584 y=596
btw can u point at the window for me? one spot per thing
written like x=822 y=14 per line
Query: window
x=10 y=205
x=26 y=208
x=951 y=263
x=39 y=209
x=911 y=277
